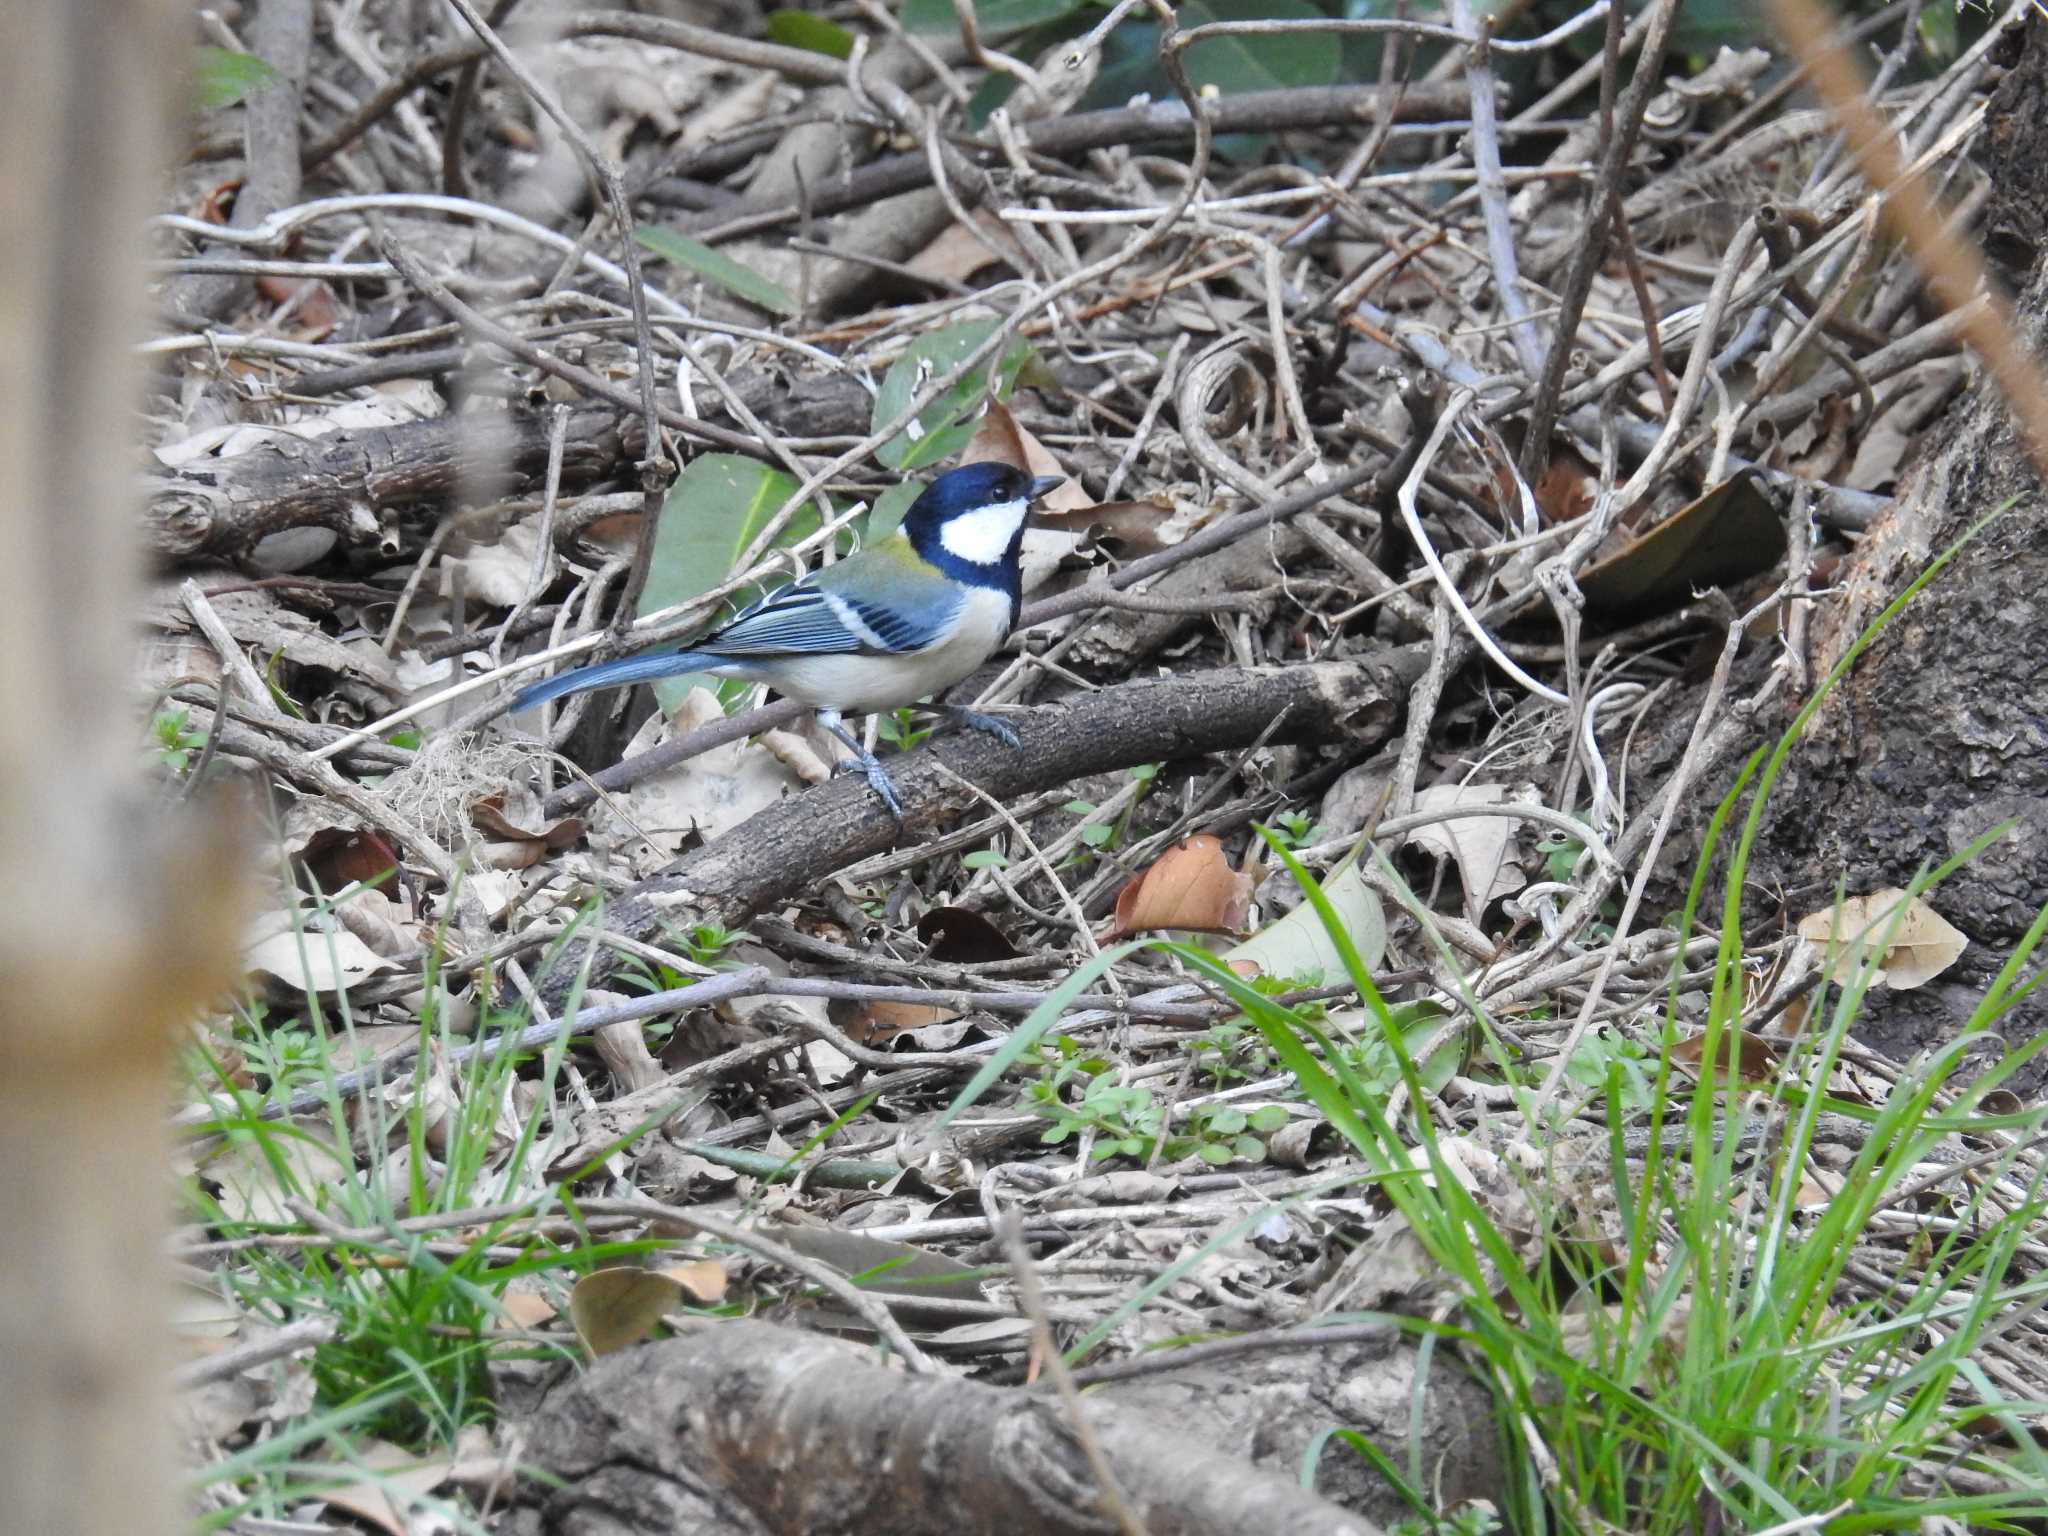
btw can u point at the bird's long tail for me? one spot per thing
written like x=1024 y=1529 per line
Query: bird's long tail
x=612 y=674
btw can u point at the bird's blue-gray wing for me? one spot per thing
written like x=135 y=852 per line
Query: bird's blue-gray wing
x=823 y=616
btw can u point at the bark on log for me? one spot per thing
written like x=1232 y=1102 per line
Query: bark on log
x=752 y=1430
x=223 y=509
x=1940 y=733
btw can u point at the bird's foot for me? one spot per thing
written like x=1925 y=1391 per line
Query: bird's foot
x=878 y=781
x=869 y=767
x=987 y=725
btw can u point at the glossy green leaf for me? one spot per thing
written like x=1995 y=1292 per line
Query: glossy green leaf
x=717 y=268
x=813 y=34
x=886 y=515
x=1238 y=64
x=221 y=78
x=993 y=18
x=716 y=508
x=942 y=428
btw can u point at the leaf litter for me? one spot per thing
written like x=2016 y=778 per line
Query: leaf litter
x=433 y=568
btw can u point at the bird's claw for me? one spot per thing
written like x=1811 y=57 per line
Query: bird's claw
x=878 y=781
x=987 y=725
x=868 y=766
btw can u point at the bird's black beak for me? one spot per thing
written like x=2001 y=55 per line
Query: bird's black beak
x=1045 y=484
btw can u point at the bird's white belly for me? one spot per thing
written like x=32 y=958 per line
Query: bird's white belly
x=863 y=685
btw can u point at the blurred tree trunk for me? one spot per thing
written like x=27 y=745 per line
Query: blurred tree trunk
x=115 y=923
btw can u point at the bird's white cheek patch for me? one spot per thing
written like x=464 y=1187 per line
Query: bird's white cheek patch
x=983 y=536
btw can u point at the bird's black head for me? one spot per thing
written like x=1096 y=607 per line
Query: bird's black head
x=970 y=521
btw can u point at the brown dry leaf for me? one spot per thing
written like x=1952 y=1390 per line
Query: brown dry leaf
x=1478 y=845
x=256 y=1182
x=702 y=1279
x=1189 y=887
x=516 y=818
x=524 y=1310
x=335 y=858
x=1730 y=534
x=497 y=571
x=959 y=253
x=623 y=1047
x=316 y=314
x=1137 y=527
x=614 y=1308
x=382 y=924
x=1819 y=448
x=882 y=1264
x=386 y=1483
x=877 y=1022
x=282 y=947
x=1812 y=1195
x=1755 y=1062
x=1565 y=489
x=1922 y=946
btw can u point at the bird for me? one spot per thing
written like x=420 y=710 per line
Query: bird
x=895 y=622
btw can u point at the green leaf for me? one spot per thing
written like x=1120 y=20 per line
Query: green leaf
x=1268 y=1118
x=221 y=78
x=992 y=18
x=813 y=34
x=1300 y=945
x=1238 y=64
x=1215 y=1154
x=1938 y=33
x=1227 y=1122
x=984 y=858
x=886 y=515
x=717 y=506
x=941 y=429
x=717 y=268
x=1249 y=1149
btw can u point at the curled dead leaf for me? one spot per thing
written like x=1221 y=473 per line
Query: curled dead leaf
x=335 y=858
x=496 y=816
x=1919 y=944
x=1138 y=527
x=876 y=1022
x=615 y=1308
x=702 y=1280
x=1191 y=886
x=1756 y=1062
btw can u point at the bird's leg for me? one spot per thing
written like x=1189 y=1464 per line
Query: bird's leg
x=865 y=761
x=987 y=725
